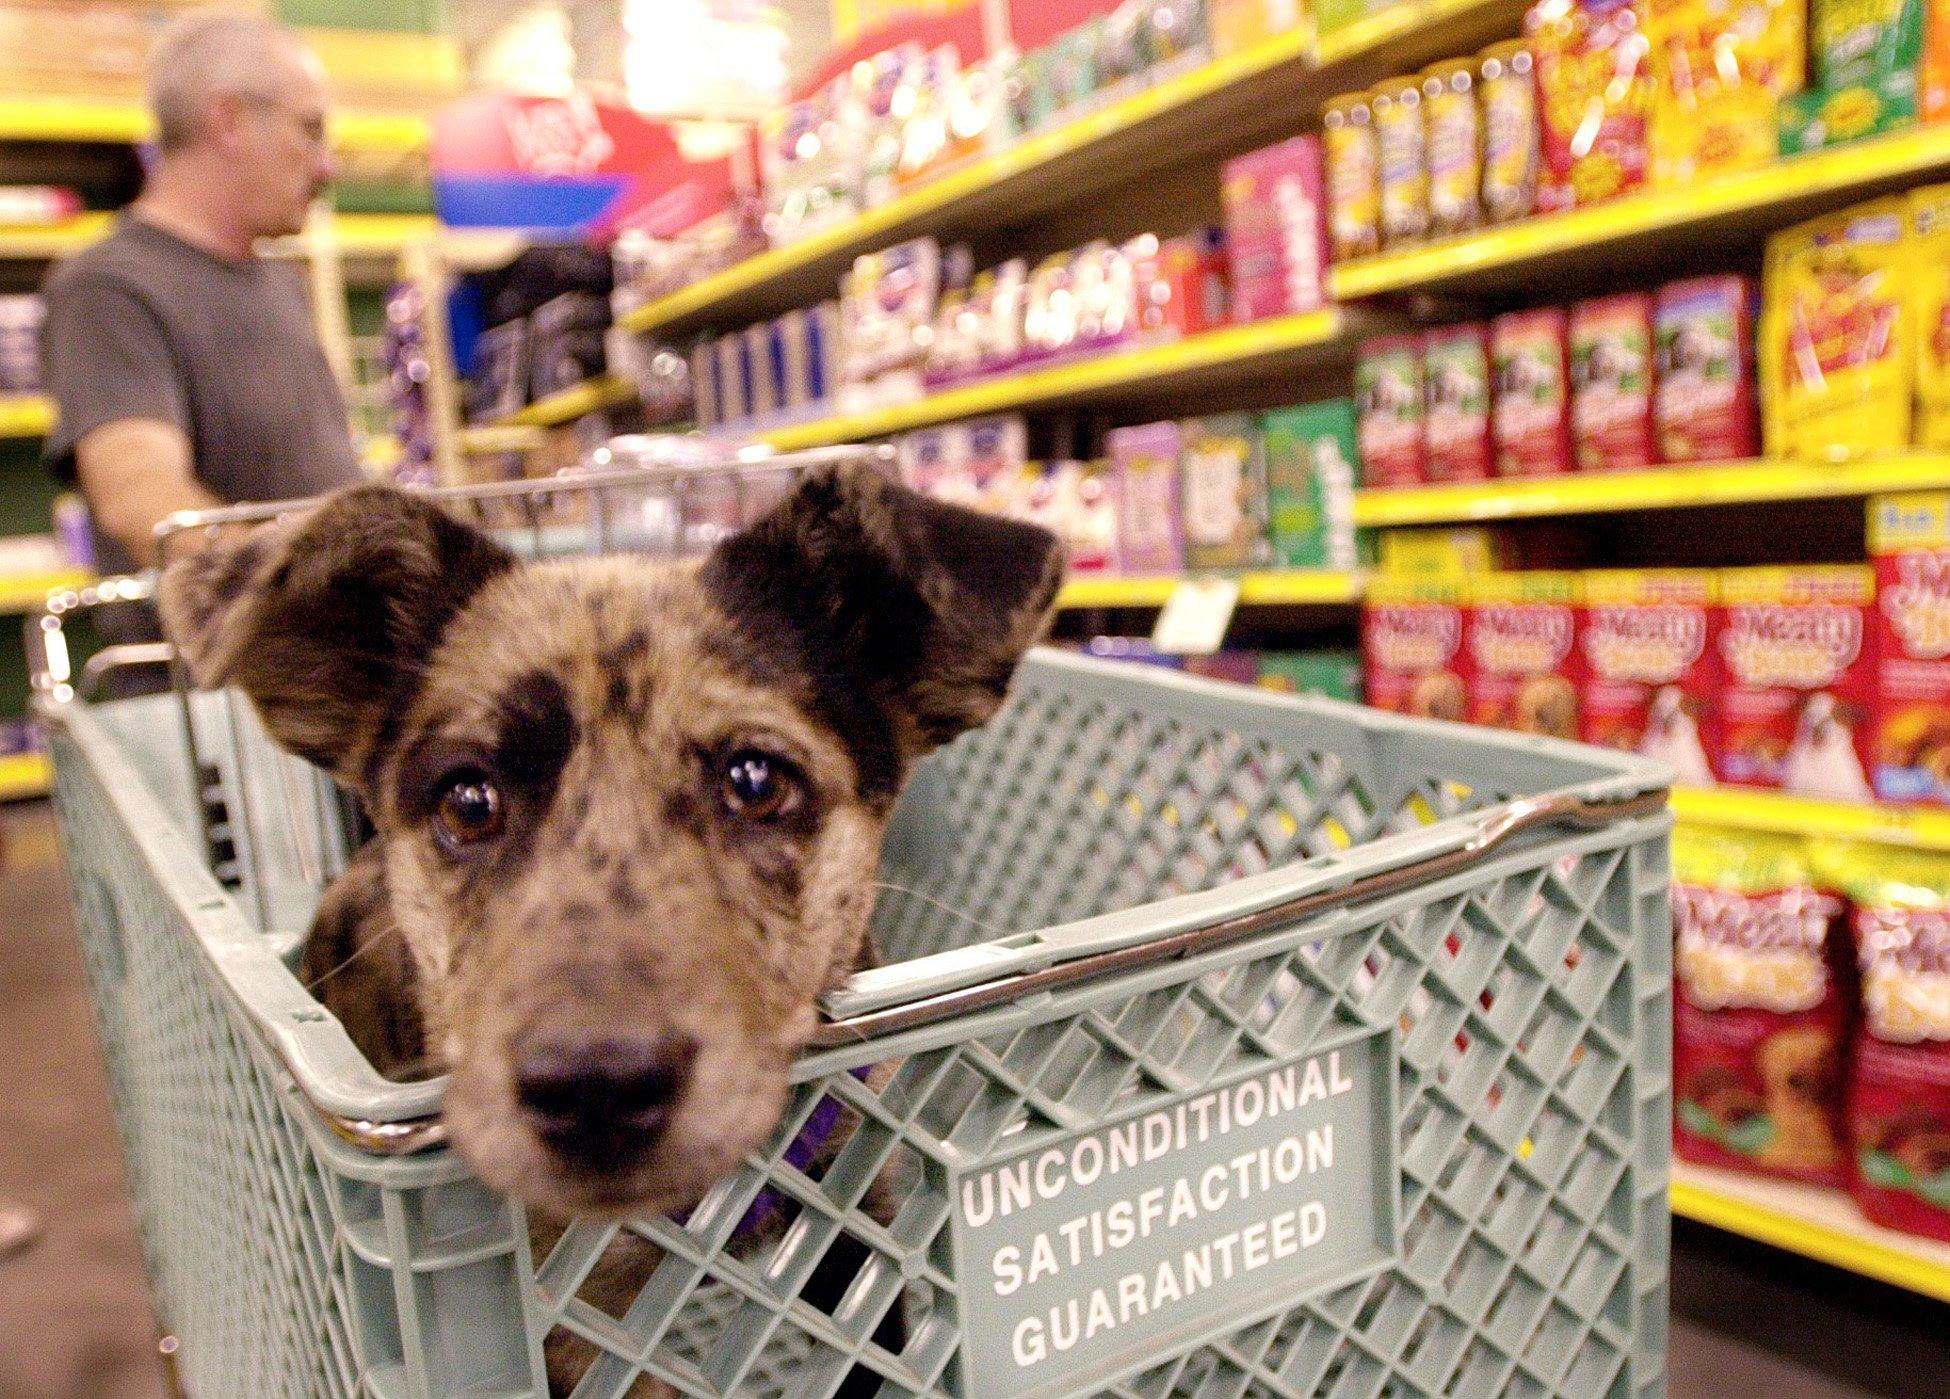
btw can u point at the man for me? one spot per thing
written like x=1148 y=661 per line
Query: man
x=186 y=370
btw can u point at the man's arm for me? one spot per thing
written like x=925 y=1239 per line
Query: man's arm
x=135 y=473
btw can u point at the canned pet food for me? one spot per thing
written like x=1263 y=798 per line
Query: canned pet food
x=1454 y=132
x=1402 y=143
x=1353 y=176
x=1507 y=93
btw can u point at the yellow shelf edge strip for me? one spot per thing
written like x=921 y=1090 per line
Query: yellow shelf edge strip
x=1864 y=1250
x=26 y=415
x=569 y=404
x=1296 y=587
x=1787 y=813
x=1660 y=488
x=24 y=775
x=1143 y=364
x=124 y=123
x=1915 y=151
x=25 y=592
x=356 y=235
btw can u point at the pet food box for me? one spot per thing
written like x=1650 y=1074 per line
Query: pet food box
x=1524 y=672
x=1144 y=464
x=1412 y=646
x=1310 y=454
x=1898 y=1086
x=1909 y=548
x=1276 y=230
x=1704 y=407
x=1077 y=501
x=1761 y=968
x=1459 y=550
x=1594 y=85
x=1532 y=418
x=1928 y=276
x=1388 y=389
x=1799 y=678
x=1222 y=493
x=1334 y=674
x=1651 y=684
x=1456 y=384
x=1611 y=383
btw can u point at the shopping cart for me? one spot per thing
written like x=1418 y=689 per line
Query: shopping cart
x=1230 y=1044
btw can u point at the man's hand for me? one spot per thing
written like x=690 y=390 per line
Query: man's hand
x=135 y=473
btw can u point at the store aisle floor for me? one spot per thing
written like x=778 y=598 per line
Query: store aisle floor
x=74 y=1322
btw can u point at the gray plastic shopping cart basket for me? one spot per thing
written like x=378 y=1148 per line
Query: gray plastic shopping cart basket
x=1232 y=1044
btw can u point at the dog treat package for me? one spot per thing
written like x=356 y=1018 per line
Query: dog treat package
x=1530 y=351
x=1837 y=335
x=1401 y=145
x=1720 y=69
x=1456 y=383
x=1388 y=390
x=994 y=452
x=1453 y=122
x=1523 y=663
x=1909 y=548
x=1651 y=685
x=1594 y=88
x=1310 y=456
x=1239 y=667
x=1412 y=646
x=1459 y=550
x=1222 y=493
x=1077 y=500
x=1507 y=91
x=1799 y=669
x=1353 y=176
x=887 y=305
x=1332 y=674
x=1764 y=1000
x=1703 y=397
x=1276 y=230
x=1928 y=277
x=1183 y=283
x=1899 y=1074
x=1611 y=382
x=1144 y=461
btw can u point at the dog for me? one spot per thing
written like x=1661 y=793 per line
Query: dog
x=627 y=812
x=1672 y=737
x=1822 y=762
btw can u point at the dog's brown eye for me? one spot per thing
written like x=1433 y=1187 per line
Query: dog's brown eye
x=470 y=810
x=758 y=785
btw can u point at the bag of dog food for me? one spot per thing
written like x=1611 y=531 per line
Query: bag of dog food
x=1764 y=998
x=1594 y=83
x=1611 y=382
x=1703 y=400
x=1909 y=548
x=1523 y=663
x=1531 y=353
x=1651 y=683
x=1388 y=391
x=1799 y=687
x=1222 y=502
x=1144 y=460
x=1899 y=1074
x=1929 y=284
x=1837 y=335
x=1719 y=72
x=1412 y=646
x=1456 y=374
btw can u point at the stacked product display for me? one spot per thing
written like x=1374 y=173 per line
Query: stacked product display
x=20 y=343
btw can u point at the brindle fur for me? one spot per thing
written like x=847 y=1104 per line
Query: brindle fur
x=851 y=631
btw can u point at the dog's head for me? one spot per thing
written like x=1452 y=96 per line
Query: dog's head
x=630 y=812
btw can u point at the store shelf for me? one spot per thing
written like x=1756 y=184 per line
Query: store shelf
x=1290 y=587
x=25 y=415
x=1738 y=207
x=1662 y=488
x=123 y=123
x=45 y=242
x=1266 y=347
x=1816 y=1223
x=24 y=775
x=356 y=236
x=25 y=592
x=1225 y=104
x=569 y=404
x=1754 y=810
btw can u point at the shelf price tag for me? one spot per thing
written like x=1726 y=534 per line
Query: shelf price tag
x=1195 y=618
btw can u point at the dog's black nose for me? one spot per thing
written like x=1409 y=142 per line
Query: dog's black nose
x=600 y=1102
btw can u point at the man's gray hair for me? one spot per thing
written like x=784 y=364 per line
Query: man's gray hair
x=206 y=53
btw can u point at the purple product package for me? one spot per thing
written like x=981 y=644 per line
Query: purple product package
x=1276 y=230
x=1149 y=537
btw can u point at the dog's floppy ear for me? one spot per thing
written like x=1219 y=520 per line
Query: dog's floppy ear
x=326 y=619
x=924 y=607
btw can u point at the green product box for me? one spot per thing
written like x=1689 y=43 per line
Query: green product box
x=1818 y=118
x=1860 y=43
x=1310 y=453
x=1332 y=674
x=1222 y=493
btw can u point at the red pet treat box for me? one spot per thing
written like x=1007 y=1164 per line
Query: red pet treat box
x=1523 y=661
x=1456 y=373
x=1388 y=377
x=1412 y=646
x=1531 y=354
x=1611 y=383
x=1651 y=683
x=1909 y=547
x=1276 y=230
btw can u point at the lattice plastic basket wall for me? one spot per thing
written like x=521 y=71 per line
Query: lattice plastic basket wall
x=1229 y=1045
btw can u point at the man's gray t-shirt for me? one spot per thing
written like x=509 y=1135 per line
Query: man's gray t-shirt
x=145 y=325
